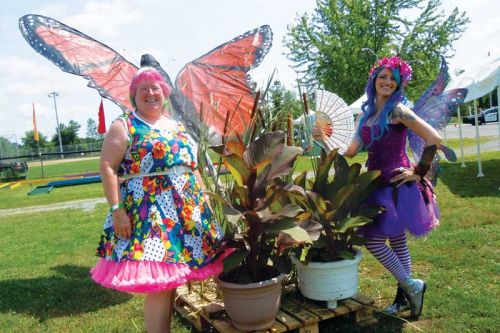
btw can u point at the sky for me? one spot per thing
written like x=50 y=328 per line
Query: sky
x=175 y=32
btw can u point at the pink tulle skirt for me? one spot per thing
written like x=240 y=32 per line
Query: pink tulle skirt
x=150 y=276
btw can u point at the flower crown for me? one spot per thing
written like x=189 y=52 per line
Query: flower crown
x=394 y=63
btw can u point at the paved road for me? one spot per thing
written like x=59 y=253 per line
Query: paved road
x=469 y=131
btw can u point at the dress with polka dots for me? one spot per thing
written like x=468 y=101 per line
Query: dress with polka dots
x=172 y=225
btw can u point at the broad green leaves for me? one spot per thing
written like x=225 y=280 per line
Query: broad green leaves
x=253 y=204
x=335 y=206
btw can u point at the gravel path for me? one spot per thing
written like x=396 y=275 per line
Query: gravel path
x=486 y=146
x=86 y=205
x=64 y=160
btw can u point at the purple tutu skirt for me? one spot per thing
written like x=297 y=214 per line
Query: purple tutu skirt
x=411 y=207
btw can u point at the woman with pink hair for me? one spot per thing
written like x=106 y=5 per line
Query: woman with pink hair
x=407 y=196
x=159 y=232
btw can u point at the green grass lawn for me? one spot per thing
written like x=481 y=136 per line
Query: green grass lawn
x=469 y=142
x=46 y=257
x=61 y=169
x=19 y=197
x=44 y=277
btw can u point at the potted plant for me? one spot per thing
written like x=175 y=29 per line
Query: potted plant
x=328 y=269
x=256 y=217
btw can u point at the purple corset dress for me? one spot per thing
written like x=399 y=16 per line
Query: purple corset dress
x=410 y=207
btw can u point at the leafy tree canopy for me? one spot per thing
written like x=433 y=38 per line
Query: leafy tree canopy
x=69 y=133
x=92 y=133
x=327 y=47
x=7 y=148
x=29 y=140
x=283 y=100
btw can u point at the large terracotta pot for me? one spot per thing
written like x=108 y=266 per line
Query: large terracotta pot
x=252 y=307
x=328 y=281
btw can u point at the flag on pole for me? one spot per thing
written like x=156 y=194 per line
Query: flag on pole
x=101 y=128
x=35 y=131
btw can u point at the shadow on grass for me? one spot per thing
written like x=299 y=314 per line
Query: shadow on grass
x=464 y=182
x=69 y=292
x=346 y=325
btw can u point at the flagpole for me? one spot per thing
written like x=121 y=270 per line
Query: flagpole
x=37 y=139
x=41 y=161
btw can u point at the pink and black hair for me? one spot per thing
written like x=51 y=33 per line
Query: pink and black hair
x=147 y=74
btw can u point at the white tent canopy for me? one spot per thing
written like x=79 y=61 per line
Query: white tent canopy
x=311 y=116
x=479 y=81
x=356 y=106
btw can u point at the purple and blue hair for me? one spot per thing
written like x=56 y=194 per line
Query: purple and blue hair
x=402 y=74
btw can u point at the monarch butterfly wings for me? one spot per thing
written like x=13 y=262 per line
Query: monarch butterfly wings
x=219 y=80
x=76 y=53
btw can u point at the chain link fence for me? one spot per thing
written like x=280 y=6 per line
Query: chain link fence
x=16 y=152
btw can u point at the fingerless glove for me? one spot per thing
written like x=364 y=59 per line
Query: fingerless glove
x=426 y=160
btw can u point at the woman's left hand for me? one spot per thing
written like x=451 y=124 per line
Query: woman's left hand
x=406 y=175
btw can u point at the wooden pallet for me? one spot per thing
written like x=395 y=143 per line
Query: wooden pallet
x=205 y=310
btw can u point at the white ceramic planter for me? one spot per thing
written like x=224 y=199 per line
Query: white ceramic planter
x=328 y=281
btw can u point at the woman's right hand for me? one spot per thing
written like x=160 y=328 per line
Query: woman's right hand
x=121 y=224
x=405 y=176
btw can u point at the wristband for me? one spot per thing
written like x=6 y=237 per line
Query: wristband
x=115 y=207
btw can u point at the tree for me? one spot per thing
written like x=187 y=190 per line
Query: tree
x=280 y=102
x=327 y=48
x=283 y=100
x=29 y=140
x=7 y=148
x=92 y=131
x=69 y=134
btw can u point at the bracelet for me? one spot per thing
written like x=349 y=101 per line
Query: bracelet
x=115 y=207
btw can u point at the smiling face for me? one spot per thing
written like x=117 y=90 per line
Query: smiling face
x=149 y=97
x=385 y=83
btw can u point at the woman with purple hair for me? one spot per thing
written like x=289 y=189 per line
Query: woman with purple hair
x=159 y=232
x=404 y=191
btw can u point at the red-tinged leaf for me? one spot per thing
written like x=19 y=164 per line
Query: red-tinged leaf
x=264 y=148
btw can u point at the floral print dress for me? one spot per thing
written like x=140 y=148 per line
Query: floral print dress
x=174 y=237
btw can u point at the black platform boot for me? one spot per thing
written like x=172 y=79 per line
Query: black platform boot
x=414 y=290
x=400 y=303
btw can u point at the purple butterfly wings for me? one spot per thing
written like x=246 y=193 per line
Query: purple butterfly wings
x=436 y=87
x=436 y=108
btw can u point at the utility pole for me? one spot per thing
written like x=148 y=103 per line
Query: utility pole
x=54 y=94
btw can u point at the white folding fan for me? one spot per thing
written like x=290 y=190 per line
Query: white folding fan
x=334 y=123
